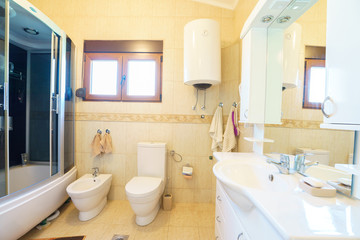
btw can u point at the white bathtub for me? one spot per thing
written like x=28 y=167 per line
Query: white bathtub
x=25 y=176
x=23 y=210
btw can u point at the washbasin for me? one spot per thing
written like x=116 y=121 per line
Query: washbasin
x=241 y=179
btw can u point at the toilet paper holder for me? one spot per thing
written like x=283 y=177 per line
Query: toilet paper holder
x=187 y=171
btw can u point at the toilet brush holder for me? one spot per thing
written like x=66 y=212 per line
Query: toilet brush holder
x=167 y=202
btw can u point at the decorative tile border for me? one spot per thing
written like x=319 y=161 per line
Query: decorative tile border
x=126 y=117
x=293 y=123
x=178 y=118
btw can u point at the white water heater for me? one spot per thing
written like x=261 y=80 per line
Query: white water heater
x=202 y=53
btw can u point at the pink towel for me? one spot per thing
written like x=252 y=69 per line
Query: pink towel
x=96 y=145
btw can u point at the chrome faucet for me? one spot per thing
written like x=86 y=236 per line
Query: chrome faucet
x=283 y=165
x=95 y=172
x=301 y=165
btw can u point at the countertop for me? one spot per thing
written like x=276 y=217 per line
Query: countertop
x=298 y=215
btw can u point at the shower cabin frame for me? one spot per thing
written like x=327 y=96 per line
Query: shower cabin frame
x=57 y=102
x=22 y=210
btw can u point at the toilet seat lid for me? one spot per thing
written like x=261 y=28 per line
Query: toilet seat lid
x=142 y=186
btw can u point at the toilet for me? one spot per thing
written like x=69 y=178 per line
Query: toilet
x=89 y=194
x=317 y=155
x=145 y=190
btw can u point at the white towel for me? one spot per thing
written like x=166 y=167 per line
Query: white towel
x=216 y=130
x=229 y=136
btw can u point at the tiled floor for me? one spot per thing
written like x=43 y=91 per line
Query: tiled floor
x=185 y=221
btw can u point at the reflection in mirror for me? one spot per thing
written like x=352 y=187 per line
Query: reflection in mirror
x=300 y=129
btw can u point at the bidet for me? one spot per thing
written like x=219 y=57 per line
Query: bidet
x=89 y=194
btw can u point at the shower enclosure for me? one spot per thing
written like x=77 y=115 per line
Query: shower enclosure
x=36 y=101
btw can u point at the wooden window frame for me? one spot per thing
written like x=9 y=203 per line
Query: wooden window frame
x=89 y=57
x=136 y=56
x=309 y=63
x=121 y=86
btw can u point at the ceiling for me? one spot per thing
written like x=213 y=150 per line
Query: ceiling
x=229 y=4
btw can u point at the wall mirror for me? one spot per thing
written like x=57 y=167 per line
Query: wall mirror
x=300 y=128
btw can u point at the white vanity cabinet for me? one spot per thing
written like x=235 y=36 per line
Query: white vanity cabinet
x=227 y=223
x=253 y=76
x=260 y=88
x=341 y=105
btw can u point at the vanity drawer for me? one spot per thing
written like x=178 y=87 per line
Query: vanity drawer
x=231 y=227
x=220 y=222
x=218 y=235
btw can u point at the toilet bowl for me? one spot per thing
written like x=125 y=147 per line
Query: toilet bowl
x=145 y=190
x=89 y=194
x=144 y=195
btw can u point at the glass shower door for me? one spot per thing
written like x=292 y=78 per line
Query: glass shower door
x=55 y=101
x=3 y=135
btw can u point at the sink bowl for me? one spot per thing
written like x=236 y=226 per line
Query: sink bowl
x=241 y=179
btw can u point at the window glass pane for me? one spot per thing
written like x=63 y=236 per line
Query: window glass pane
x=103 y=77
x=141 y=77
x=317 y=84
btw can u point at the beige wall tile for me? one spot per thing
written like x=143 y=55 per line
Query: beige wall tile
x=136 y=132
x=208 y=11
x=202 y=140
x=161 y=132
x=115 y=164
x=184 y=139
x=117 y=192
x=203 y=173
x=183 y=196
x=203 y=196
x=160 y=20
x=186 y=8
x=130 y=166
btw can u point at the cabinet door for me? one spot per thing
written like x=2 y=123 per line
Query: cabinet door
x=342 y=63
x=253 y=76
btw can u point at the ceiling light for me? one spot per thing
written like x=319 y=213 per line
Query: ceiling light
x=267 y=18
x=283 y=19
x=31 y=31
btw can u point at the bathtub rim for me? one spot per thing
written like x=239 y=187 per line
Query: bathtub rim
x=10 y=201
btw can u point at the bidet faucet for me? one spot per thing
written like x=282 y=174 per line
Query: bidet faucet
x=283 y=165
x=95 y=172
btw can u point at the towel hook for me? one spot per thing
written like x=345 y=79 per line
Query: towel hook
x=235 y=104
x=221 y=104
x=107 y=131
x=99 y=131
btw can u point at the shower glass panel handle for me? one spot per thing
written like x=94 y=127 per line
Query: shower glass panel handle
x=54 y=104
